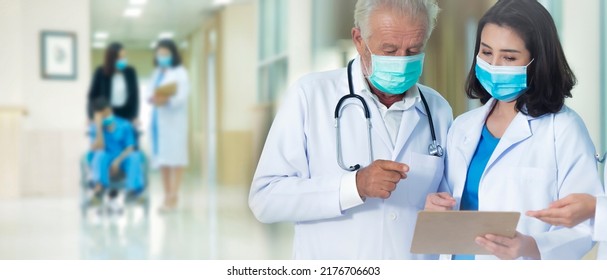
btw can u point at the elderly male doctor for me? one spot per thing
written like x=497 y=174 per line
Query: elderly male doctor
x=369 y=213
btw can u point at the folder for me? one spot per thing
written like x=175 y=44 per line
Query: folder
x=166 y=90
x=454 y=232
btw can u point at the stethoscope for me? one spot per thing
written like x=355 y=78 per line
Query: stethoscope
x=434 y=149
x=600 y=158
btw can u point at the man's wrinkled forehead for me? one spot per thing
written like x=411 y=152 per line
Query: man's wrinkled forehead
x=395 y=29
x=402 y=20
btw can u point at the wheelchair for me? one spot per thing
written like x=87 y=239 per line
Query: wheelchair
x=116 y=188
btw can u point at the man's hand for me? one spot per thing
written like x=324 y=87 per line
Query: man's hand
x=569 y=211
x=379 y=179
x=115 y=167
x=439 y=202
x=159 y=100
x=507 y=248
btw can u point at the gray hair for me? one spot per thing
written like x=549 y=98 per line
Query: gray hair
x=415 y=8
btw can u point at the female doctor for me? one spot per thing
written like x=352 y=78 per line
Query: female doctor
x=169 y=120
x=524 y=148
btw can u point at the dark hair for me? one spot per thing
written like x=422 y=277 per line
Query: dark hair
x=170 y=45
x=111 y=55
x=99 y=104
x=549 y=77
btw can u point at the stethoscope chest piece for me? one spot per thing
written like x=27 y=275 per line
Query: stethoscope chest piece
x=435 y=149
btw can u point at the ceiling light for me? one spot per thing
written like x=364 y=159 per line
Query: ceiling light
x=221 y=2
x=137 y=2
x=101 y=35
x=132 y=12
x=166 y=35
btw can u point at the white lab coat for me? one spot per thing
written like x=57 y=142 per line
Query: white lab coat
x=537 y=161
x=172 y=119
x=298 y=177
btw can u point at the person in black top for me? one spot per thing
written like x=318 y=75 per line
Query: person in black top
x=116 y=81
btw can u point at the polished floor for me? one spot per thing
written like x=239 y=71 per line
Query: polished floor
x=211 y=223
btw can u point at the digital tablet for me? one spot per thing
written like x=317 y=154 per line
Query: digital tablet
x=453 y=232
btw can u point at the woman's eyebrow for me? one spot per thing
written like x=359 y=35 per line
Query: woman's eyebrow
x=502 y=50
x=510 y=51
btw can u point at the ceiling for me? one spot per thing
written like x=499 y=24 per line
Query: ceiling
x=180 y=17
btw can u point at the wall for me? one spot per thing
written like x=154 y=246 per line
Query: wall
x=448 y=57
x=51 y=137
x=237 y=92
x=583 y=51
x=11 y=103
x=11 y=54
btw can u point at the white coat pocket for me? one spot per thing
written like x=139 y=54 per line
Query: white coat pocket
x=536 y=187
x=425 y=174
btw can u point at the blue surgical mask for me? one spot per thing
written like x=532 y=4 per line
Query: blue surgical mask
x=109 y=120
x=395 y=74
x=504 y=83
x=164 y=61
x=121 y=64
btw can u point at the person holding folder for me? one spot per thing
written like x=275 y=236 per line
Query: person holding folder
x=168 y=93
x=524 y=148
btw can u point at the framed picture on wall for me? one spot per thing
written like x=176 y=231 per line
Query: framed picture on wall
x=58 y=55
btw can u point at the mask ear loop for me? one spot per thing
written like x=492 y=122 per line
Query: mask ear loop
x=532 y=60
x=363 y=63
x=526 y=68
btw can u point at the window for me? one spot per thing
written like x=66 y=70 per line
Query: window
x=273 y=57
x=603 y=75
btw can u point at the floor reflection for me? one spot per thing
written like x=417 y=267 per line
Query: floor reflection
x=206 y=226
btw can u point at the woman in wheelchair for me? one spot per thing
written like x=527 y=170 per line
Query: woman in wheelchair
x=113 y=154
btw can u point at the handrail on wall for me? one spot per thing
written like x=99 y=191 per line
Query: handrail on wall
x=18 y=109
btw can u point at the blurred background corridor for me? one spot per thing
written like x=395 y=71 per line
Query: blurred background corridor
x=240 y=56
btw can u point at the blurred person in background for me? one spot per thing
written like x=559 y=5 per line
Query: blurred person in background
x=113 y=150
x=169 y=119
x=116 y=81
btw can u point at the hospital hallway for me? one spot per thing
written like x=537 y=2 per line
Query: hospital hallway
x=207 y=225
x=237 y=60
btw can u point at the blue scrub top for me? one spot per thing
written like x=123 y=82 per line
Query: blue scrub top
x=118 y=139
x=484 y=150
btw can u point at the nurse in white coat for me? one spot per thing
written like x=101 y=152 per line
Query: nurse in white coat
x=169 y=120
x=369 y=213
x=523 y=149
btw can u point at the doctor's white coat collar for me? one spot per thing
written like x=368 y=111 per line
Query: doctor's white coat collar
x=473 y=122
x=361 y=87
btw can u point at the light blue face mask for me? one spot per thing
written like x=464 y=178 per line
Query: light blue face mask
x=164 y=61
x=121 y=64
x=504 y=83
x=395 y=74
